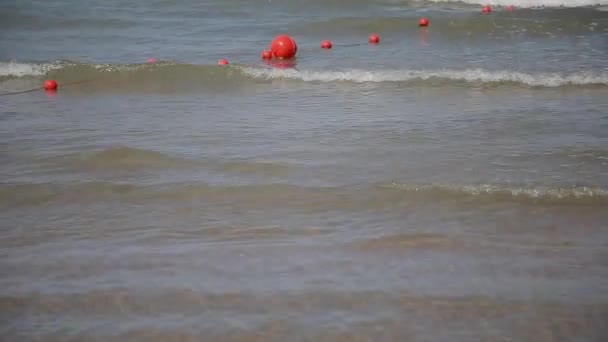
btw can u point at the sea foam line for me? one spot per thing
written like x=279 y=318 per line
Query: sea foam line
x=531 y=3
x=16 y=69
x=577 y=192
x=467 y=75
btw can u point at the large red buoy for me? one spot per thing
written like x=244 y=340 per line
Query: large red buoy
x=486 y=9
x=374 y=38
x=151 y=60
x=50 y=85
x=266 y=54
x=284 y=47
x=222 y=62
x=423 y=22
x=326 y=44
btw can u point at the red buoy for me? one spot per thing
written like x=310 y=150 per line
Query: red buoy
x=326 y=44
x=510 y=8
x=50 y=85
x=423 y=22
x=151 y=60
x=284 y=47
x=374 y=38
x=486 y=9
x=266 y=54
x=222 y=62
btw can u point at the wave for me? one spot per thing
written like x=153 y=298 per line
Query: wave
x=531 y=3
x=588 y=154
x=465 y=26
x=315 y=310
x=265 y=169
x=69 y=68
x=275 y=195
x=468 y=75
x=161 y=77
x=141 y=301
x=45 y=193
x=174 y=76
x=16 y=69
x=121 y=157
x=217 y=235
x=404 y=241
x=200 y=72
x=505 y=192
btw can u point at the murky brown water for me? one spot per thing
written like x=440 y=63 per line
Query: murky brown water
x=449 y=184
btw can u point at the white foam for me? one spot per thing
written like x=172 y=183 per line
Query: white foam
x=16 y=69
x=467 y=75
x=489 y=189
x=532 y=3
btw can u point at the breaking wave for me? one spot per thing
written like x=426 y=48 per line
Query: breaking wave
x=173 y=74
x=264 y=196
x=531 y=3
x=505 y=192
x=467 y=75
x=15 y=69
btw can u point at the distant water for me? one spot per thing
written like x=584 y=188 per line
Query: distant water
x=448 y=184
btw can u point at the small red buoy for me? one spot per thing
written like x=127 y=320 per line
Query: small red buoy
x=326 y=44
x=423 y=22
x=50 y=85
x=510 y=8
x=374 y=38
x=222 y=62
x=284 y=47
x=266 y=54
x=151 y=60
x=486 y=9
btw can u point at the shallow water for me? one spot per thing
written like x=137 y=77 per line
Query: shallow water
x=450 y=183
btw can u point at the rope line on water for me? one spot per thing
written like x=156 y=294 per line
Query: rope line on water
x=42 y=88
x=347 y=45
x=21 y=92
